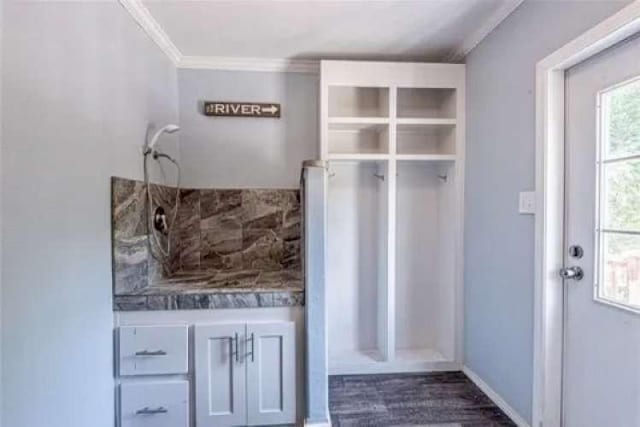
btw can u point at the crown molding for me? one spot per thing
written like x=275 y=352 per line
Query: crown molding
x=490 y=24
x=147 y=22
x=250 y=64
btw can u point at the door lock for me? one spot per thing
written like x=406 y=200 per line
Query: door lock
x=573 y=273
x=576 y=251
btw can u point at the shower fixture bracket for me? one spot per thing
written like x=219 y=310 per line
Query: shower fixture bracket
x=160 y=220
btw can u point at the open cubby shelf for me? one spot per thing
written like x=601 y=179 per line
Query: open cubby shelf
x=370 y=120
x=430 y=103
x=426 y=139
x=353 y=101
x=358 y=138
x=392 y=134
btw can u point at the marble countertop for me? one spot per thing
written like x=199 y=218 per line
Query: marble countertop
x=217 y=290
x=209 y=301
x=226 y=282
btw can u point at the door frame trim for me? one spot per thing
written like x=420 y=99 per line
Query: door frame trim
x=550 y=141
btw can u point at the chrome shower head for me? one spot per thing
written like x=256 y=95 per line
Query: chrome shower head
x=167 y=129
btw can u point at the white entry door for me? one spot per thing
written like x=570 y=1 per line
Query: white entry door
x=601 y=369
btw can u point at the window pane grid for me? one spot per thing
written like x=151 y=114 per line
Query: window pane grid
x=620 y=159
x=606 y=230
x=620 y=206
x=621 y=120
x=618 y=166
x=620 y=269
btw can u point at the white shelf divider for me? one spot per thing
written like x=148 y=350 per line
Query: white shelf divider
x=358 y=120
x=362 y=157
x=426 y=157
x=392 y=207
x=426 y=122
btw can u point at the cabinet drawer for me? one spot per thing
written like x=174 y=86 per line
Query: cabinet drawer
x=154 y=404
x=153 y=350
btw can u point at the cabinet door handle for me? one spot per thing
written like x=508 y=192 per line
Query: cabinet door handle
x=147 y=353
x=152 y=411
x=253 y=343
x=237 y=353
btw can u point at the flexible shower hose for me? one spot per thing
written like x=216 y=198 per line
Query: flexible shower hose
x=152 y=230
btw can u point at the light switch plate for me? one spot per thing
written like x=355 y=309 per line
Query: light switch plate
x=527 y=203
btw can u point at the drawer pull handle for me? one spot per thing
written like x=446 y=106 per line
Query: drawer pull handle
x=149 y=411
x=145 y=353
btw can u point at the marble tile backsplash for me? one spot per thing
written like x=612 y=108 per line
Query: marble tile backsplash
x=223 y=240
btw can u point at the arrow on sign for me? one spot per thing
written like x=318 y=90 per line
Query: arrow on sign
x=272 y=109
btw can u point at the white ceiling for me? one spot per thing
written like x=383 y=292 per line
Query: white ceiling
x=417 y=30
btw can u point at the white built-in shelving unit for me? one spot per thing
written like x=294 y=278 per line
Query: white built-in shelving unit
x=393 y=136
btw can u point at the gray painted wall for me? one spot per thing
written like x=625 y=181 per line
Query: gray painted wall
x=247 y=152
x=499 y=243
x=80 y=84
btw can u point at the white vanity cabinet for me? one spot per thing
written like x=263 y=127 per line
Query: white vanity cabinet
x=176 y=371
x=245 y=374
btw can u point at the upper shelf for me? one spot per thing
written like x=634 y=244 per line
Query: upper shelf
x=364 y=123
x=359 y=157
x=426 y=103
x=411 y=103
x=349 y=101
x=373 y=157
x=409 y=123
x=426 y=157
x=357 y=123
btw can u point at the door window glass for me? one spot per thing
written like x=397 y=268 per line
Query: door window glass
x=618 y=233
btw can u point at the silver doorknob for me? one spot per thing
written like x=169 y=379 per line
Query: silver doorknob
x=575 y=273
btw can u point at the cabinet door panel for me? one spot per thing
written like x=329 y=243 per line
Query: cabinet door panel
x=271 y=367
x=220 y=375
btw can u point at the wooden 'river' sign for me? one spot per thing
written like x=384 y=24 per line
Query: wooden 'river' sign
x=241 y=109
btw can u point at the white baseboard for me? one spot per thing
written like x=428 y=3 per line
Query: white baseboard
x=309 y=424
x=497 y=399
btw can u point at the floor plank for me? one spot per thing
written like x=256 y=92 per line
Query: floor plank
x=442 y=399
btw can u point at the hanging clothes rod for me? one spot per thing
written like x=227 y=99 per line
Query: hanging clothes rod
x=381 y=177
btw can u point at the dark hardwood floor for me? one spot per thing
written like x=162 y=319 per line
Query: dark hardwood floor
x=436 y=399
